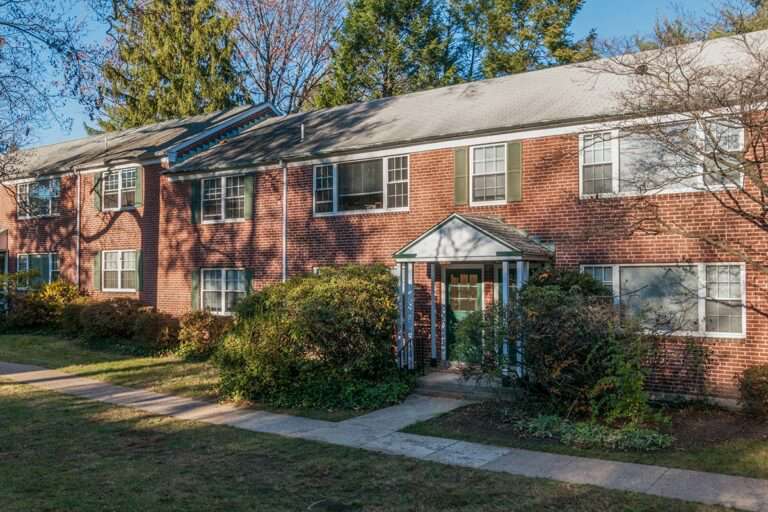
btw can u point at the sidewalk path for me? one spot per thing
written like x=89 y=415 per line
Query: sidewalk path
x=378 y=431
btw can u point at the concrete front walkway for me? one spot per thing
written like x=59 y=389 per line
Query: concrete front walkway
x=378 y=432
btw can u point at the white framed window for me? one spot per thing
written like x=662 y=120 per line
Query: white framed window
x=222 y=289
x=597 y=157
x=362 y=186
x=223 y=199
x=488 y=174
x=119 y=271
x=118 y=189
x=38 y=198
x=629 y=164
x=46 y=264
x=691 y=299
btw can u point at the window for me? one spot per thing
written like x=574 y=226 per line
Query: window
x=46 y=266
x=324 y=189
x=597 y=163
x=361 y=186
x=38 y=198
x=224 y=199
x=692 y=299
x=489 y=171
x=603 y=274
x=397 y=182
x=120 y=271
x=119 y=189
x=723 y=305
x=222 y=289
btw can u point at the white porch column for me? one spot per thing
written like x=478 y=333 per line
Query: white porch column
x=505 y=305
x=443 y=316
x=410 y=308
x=401 y=313
x=433 y=316
x=522 y=278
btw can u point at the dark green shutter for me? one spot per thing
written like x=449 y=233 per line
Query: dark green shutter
x=195 y=289
x=461 y=175
x=248 y=209
x=139 y=188
x=97 y=192
x=514 y=172
x=97 y=271
x=195 y=202
x=139 y=271
x=248 y=281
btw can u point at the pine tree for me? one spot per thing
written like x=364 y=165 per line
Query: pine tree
x=386 y=48
x=174 y=58
x=529 y=34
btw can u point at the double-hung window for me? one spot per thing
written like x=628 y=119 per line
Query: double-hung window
x=223 y=199
x=597 y=153
x=120 y=271
x=45 y=266
x=691 y=299
x=489 y=171
x=38 y=198
x=222 y=289
x=361 y=186
x=118 y=189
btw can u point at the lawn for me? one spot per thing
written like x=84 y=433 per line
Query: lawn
x=165 y=374
x=709 y=439
x=63 y=453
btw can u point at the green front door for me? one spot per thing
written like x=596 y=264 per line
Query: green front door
x=465 y=295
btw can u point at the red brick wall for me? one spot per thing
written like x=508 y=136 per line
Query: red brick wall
x=584 y=231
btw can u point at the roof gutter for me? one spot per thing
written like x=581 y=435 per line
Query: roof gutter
x=284 y=165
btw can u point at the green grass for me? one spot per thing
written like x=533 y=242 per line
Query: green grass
x=60 y=453
x=165 y=374
x=743 y=457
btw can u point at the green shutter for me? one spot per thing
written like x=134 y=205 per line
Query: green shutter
x=461 y=175
x=248 y=197
x=97 y=271
x=97 y=192
x=139 y=187
x=248 y=281
x=139 y=271
x=195 y=290
x=195 y=202
x=514 y=172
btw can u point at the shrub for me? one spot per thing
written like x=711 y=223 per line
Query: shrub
x=579 y=358
x=110 y=320
x=199 y=334
x=753 y=391
x=317 y=341
x=29 y=311
x=154 y=331
x=69 y=321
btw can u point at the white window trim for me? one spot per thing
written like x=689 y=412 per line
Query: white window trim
x=52 y=256
x=26 y=215
x=615 y=168
x=701 y=269
x=223 y=182
x=119 y=270
x=385 y=181
x=119 y=171
x=223 y=291
x=496 y=202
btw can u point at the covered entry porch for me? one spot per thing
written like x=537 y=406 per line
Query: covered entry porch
x=463 y=264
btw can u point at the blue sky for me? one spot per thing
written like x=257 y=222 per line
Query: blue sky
x=611 y=18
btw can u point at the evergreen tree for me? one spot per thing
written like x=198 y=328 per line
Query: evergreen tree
x=529 y=34
x=386 y=48
x=174 y=58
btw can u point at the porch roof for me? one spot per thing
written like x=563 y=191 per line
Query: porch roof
x=462 y=237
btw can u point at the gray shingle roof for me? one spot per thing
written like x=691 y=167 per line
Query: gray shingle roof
x=509 y=235
x=133 y=144
x=554 y=96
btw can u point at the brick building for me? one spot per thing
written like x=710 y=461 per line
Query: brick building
x=463 y=190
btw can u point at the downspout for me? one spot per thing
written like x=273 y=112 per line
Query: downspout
x=77 y=232
x=284 y=165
